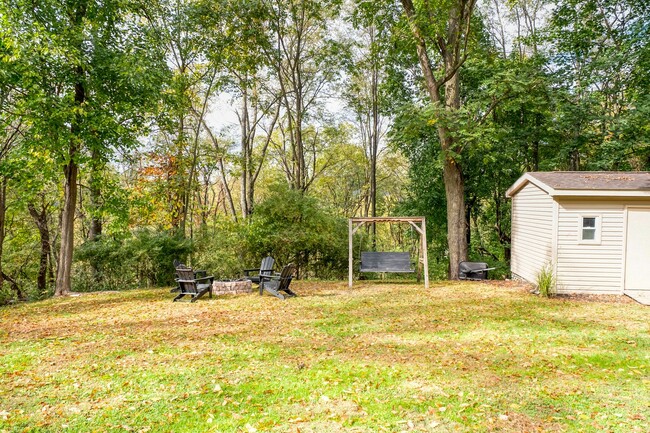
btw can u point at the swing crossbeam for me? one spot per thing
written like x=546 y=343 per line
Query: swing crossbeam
x=389 y=261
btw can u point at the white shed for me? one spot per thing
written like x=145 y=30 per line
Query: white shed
x=592 y=228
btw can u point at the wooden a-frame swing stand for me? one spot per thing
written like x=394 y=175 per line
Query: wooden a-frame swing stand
x=418 y=223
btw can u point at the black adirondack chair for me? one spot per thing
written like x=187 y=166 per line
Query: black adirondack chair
x=190 y=285
x=265 y=269
x=274 y=284
x=198 y=273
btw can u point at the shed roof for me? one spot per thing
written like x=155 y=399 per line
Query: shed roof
x=587 y=183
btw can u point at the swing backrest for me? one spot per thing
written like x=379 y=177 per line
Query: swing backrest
x=385 y=262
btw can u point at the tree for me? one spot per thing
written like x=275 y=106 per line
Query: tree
x=363 y=93
x=91 y=84
x=442 y=81
x=241 y=49
x=186 y=95
x=597 y=47
x=304 y=59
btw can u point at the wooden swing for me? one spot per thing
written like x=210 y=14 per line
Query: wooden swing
x=390 y=261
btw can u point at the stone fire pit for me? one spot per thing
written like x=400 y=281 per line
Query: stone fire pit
x=231 y=287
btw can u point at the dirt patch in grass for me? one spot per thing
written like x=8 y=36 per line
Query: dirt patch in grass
x=611 y=299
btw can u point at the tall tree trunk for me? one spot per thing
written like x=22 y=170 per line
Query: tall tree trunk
x=3 y=218
x=71 y=170
x=188 y=187
x=299 y=155
x=450 y=47
x=374 y=147
x=40 y=219
x=179 y=213
x=456 y=226
x=226 y=189
x=244 y=122
x=250 y=119
x=452 y=172
x=289 y=67
x=95 y=198
x=222 y=173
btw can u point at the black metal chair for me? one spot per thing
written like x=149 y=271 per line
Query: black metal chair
x=274 y=284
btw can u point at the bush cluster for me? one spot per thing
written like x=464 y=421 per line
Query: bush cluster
x=141 y=259
x=288 y=225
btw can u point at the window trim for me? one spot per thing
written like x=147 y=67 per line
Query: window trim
x=597 y=229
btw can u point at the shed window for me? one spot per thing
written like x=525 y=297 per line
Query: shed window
x=590 y=229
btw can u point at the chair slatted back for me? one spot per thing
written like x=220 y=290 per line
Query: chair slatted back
x=286 y=276
x=266 y=268
x=187 y=274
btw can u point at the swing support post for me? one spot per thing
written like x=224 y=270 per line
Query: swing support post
x=350 y=258
x=418 y=223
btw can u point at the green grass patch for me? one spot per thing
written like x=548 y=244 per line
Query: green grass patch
x=380 y=357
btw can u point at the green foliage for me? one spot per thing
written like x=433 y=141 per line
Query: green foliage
x=599 y=52
x=221 y=249
x=293 y=227
x=100 y=46
x=417 y=138
x=144 y=258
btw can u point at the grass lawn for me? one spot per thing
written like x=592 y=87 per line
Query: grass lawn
x=380 y=357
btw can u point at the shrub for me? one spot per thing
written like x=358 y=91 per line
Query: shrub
x=546 y=281
x=144 y=258
x=221 y=249
x=293 y=227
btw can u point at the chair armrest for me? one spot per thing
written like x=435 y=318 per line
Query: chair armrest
x=269 y=277
x=275 y=277
x=247 y=271
x=476 y=271
x=195 y=279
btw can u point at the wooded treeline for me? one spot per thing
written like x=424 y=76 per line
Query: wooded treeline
x=135 y=132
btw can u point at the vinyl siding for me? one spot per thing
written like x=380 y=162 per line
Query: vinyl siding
x=588 y=268
x=532 y=232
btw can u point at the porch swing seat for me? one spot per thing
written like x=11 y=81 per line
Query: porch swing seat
x=390 y=261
